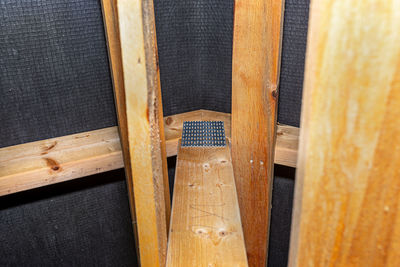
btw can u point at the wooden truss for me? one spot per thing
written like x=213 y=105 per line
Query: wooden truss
x=348 y=175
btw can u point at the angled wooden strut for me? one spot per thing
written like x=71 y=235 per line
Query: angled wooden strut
x=205 y=223
x=347 y=201
x=110 y=18
x=255 y=75
x=141 y=123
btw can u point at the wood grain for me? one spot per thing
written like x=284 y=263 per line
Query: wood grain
x=255 y=75
x=110 y=19
x=173 y=125
x=287 y=142
x=55 y=160
x=347 y=201
x=205 y=223
x=21 y=166
x=145 y=128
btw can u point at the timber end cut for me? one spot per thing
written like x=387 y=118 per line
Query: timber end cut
x=205 y=227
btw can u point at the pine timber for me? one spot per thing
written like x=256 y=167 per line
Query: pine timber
x=287 y=141
x=347 y=201
x=22 y=166
x=255 y=75
x=111 y=27
x=145 y=128
x=55 y=160
x=205 y=222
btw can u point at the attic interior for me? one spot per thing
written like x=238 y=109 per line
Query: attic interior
x=56 y=81
x=58 y=90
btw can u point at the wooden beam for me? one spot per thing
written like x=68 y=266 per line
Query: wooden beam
x=111 y=27
x=22 y=167
x=205 y=223
x=347 y=201
x=145 y=128
x=255 y=75
x=55 y=160
x=287 y=138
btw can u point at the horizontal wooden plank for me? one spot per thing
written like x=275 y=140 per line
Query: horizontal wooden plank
x=55 y=160
x=287 y=138
x=205 y=221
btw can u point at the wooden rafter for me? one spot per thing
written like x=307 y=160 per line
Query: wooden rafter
x=347 y=201
x=255 y=75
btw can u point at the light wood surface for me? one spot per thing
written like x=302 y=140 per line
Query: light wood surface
x=80 y=153
x=255 y=75
x=55 y=160
x=287 y=142
x=205 y=222
x=110 y=19
x=145 y=128
x=22 y=168
x=347 y=201
x=173 y=125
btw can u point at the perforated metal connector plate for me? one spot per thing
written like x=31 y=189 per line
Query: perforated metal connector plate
x=203 y=134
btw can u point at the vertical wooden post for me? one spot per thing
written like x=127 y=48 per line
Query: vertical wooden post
x=110 y=18
x=134 y=60
x=347 y=201
x=255 y=75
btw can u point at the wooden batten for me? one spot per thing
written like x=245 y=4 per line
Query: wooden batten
x=205 y=222
x=56 y=160
x=24 y=167
x=287 y=137
x=346 y=205
x=255 y=75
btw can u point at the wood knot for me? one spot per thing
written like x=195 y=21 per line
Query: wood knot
x=168 y=121
x=53 y=165
x=55 y=168
x=206 y=167
x=222 y=233
x=47 y=148
x=275 y=93
x=200 y=231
